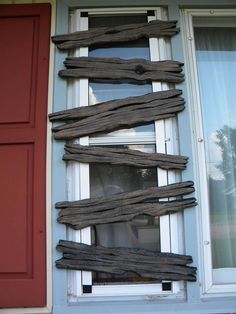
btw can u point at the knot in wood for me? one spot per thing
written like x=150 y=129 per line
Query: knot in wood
x=139 y=69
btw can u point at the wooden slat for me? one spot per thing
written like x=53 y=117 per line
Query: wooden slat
x=78 y=220
x=123 y=156
x=117 y=114
x=123 y=33
x=119 y=261
x=116 y=70
x=87 y=111
x=125 y=206
x=126 y=198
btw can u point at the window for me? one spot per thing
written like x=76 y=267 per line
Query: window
x=211 y=54
x=86 y=181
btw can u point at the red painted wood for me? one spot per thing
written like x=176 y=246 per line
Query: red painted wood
x=24 y=46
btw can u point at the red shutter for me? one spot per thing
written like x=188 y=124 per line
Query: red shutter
x=24 y=56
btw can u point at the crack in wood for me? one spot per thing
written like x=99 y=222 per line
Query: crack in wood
x=118 y=34
x=123 y=156
x=117 y=114
x=116 y=70
x=125 y=206
x=119 y=261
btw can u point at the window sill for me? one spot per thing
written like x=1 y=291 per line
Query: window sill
x=165 y=295
x=41 y=310
x=218 y=291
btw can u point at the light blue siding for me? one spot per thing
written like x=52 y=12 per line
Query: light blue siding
x=192 y=303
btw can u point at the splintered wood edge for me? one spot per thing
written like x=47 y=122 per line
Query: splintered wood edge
x=144 y=263
x=122 y=33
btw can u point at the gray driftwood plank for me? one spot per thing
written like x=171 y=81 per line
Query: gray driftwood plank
x=125 y=206
x=127 y=198
x=117 y=70
x=123 y=33
x=77 y=219
x=160 y=98
x=117 y=114
x=144 y=263
x=123 y=156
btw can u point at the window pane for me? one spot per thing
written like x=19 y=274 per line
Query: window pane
x=216 y=62
x=136 y=49
x=141 y=232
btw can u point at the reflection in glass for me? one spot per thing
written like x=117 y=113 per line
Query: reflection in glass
x=100 y=92
x=216 y=62
x=141 y=232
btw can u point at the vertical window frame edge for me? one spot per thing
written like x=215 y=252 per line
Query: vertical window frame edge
x=207 y=287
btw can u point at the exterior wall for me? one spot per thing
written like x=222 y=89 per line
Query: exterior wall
x=193 y=302
x=48 y=308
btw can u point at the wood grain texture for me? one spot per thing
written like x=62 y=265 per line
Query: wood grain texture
x=126 y=198
x=118 y=261
x=125 y=206
x=117 y=114
x=78 y=219
x=123 y=156
x=87 y=111
x=116 y=70
x=123 y=33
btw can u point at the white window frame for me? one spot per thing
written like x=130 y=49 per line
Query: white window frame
x=208 y=287
x=78 y=174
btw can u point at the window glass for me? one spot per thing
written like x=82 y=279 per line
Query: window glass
x=216 y=65
x=136 y=49
x=141 y=232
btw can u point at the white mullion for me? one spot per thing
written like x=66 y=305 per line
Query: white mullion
x=168 y=124
x=172 y=178
x=157 y=52
x=73 y=173
x=85 y=234
x=78 y=93
x=174 y=220
x=165 y=139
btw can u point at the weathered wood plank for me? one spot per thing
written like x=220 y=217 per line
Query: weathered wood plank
x=77 y=219
x=123 y=33
x=144 y=263
x=87 y=111
x=125 y=206
x=127 y=198
x=117 y=114
x=123 y=156
x=117 y=70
